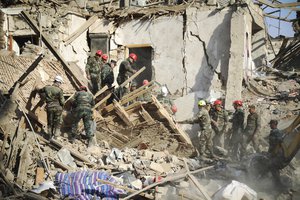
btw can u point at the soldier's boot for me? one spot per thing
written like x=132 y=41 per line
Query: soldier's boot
x=49 y=132
x=91 y=141
x=56 y=132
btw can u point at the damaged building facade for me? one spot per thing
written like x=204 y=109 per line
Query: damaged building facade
x=197 y=51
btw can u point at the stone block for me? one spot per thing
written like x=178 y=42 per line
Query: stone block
x=156 y=167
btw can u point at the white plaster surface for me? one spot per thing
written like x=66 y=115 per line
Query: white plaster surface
x=77 y=50
x=164 y=34
x=214 y=29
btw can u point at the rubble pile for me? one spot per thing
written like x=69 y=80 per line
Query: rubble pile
x=141 y=151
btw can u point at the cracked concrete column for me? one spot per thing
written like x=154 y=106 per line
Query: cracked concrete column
x=236 y=61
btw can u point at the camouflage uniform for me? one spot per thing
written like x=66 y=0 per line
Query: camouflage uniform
x=55 y=102
x=93 y=69
x=125 y=71
x=237 y=130
x=251 y=131
x=107 y=75
x=205 y=140
x=83 y=102
x=166 y=102
x=275 y=140
x=219 y=125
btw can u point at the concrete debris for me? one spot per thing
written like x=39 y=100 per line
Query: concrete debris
x=235 y=191
x=65 y=157
x=138 y=148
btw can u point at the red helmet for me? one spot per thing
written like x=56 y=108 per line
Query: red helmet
x=145 y=82
x=174 y=109
x=99 y=52
x=217 y=102
x=104 y=57
x=238 y=102
x=133 y=56
x=83 y=88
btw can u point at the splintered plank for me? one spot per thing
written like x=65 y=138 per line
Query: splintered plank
x=80 y=30
x=73 y=153
x=122 y=113
x=71 y=68
x=163 y=112
x=131 y=96
x=23 y=164
x=40 y=173
x=147 y=117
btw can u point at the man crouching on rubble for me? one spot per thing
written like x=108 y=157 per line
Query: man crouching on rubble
x=55 y=102
x=82 y=103
x=205 y=138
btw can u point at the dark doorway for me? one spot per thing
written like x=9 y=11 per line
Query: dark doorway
x=144 y=55
x=21 y=40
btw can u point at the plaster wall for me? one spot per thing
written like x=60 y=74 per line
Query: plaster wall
x=238 y=58
x=165 y=36
x=213 y=28
x=259 y=50
x=77 y=50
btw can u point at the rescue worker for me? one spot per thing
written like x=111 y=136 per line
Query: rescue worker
x=252 y=130
x=55 y=102
x=82 y=103
x=126 y=70
x=164 y=99
x=107 y=74
x=276 y=154
x=275 y=137
x=237 y=127
x=93 y=70
x=205 y=134
x=219 y=122
x=146 y=97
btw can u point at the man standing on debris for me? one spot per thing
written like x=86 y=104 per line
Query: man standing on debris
x=126 y=70
x=252 y=130
x=93 y=70
x=237 y=127
x=107 y=74
x=55 y=102
x=219 y=122
x=205 y=134
x=275 y=141
x=82 y=103
x=275 y=138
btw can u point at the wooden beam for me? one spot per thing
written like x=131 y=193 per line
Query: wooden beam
x=60 y=164
x=122 y=113
x=163 y=112
x=28 y=71
x=133 y=77
x=101 y=91
x=102 y=101
x=137 y=90
x=172 y=177
x=80 y=30
x=39 y=177
x=147 y=117
x=73 y=153
x=125 y=188
x=291 y=6
x=69 y=70
x=127 y=98
x=199 y=187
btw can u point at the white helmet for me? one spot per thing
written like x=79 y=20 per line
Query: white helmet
x=58 y=79
x=164 y=91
